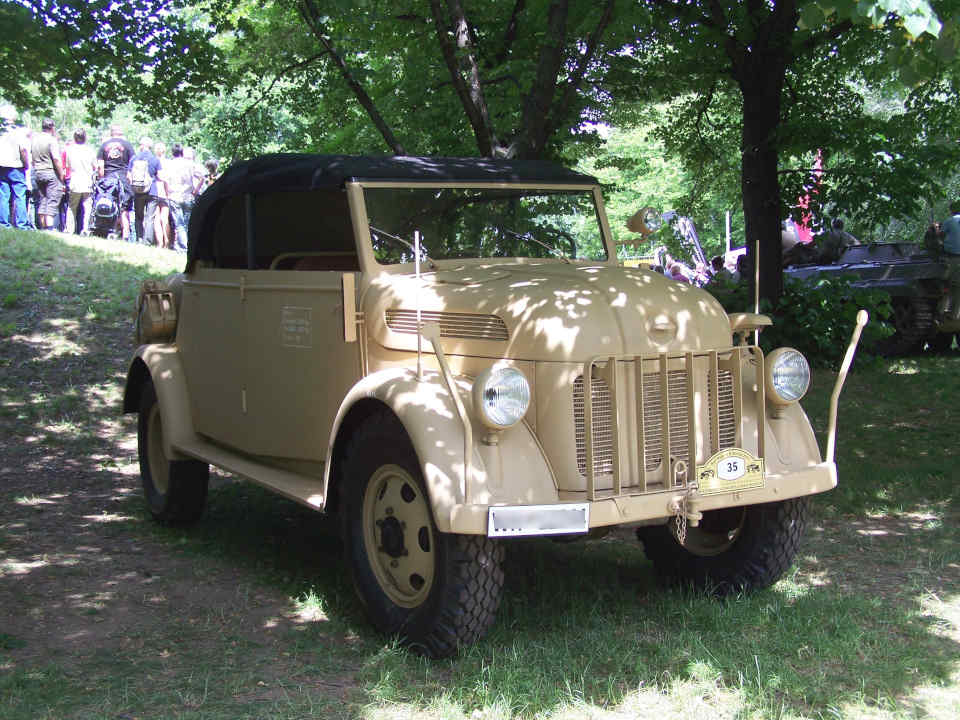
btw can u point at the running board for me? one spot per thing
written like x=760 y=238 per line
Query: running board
x=303 y=489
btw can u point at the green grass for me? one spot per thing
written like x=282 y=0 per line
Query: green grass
x=266 y=623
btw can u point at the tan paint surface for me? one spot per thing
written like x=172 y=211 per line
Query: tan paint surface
x=261 y=376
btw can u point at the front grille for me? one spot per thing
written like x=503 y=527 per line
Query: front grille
x=452 y=325
x=724 y=408
x=679 y=423
x=602 y=427
x=690 y=438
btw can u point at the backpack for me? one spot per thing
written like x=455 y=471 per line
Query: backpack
x=105 y=207
x=140 y=179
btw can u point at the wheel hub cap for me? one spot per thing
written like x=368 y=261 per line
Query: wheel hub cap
x=391 y=534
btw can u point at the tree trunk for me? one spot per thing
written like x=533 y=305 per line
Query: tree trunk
x=760 y=69
x=760 y=185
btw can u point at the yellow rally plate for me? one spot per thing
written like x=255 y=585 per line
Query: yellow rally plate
x=730 y=470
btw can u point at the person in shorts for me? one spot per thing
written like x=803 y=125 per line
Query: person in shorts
x=47 y=174
x=112 y=159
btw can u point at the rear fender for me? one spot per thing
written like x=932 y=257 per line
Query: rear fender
x=162 y=365
x=513 y=471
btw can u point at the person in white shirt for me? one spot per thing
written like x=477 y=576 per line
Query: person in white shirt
x=178 y=172
x=14 y=162
x=82 y=162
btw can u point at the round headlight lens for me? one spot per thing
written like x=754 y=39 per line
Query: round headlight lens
x=501 y=396
x=789 y=374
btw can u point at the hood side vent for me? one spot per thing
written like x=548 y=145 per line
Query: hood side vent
x=453 y=325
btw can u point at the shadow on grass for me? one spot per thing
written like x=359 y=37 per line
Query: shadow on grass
x=584 y=622
x=587 y=622
x=896 y=445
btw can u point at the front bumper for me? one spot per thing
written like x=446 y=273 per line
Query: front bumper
x=624 y=509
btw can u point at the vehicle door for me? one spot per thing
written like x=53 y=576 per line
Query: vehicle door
x=299 y=367
x=211 y=334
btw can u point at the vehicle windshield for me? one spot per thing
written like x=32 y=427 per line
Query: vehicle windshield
x=456 y=223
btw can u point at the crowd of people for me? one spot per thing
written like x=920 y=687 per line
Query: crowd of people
x=138 y=194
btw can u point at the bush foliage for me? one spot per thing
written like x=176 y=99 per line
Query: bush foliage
x=816 y=317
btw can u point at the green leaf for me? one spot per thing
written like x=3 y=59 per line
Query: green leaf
x=811 y=16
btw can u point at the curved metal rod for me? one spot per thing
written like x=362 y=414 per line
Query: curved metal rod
x=862 y=318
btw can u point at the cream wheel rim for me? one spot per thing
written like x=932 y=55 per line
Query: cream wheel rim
x=398 y=535
x=159 y=465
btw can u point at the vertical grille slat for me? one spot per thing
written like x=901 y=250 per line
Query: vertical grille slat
x=667 y=421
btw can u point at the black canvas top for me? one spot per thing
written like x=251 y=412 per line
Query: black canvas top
x=298 y=172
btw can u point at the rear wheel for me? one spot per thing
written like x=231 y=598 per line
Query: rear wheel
x=175 y=490
x=732 y=549
x=941 y=342
x=438 y=591
x=912 y=324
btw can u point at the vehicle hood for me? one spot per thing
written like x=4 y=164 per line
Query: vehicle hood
x=549 y=311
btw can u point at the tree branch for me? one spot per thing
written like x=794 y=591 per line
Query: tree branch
x=276 y=78
x=831 y=34
x=311 y=15
x=536 y=105
x=576 y=77
x=471 y=96
x=511 y=32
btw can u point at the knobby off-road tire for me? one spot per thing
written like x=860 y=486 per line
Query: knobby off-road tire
x=437 y=591
x=732 y=550
x=940 y=343
x=175 y=490
x=912 y=323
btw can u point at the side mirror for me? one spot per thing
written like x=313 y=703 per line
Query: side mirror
x=645 y=221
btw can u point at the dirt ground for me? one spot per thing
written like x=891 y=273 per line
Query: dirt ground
x=84 y=577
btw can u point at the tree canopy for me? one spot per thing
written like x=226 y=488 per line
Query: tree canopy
x=105 y=51
x=744 y=94
x=754 y=90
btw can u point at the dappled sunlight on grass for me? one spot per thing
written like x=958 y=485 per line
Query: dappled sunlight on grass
x=15 y=567
x=309 y=608
x=33 y=501
x=252 y=613
x=106 y=517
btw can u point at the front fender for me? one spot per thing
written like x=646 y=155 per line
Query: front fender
x=512 y=471
x=162 y=365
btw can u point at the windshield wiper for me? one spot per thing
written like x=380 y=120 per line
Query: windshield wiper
x=529 y=237
x=407 y=244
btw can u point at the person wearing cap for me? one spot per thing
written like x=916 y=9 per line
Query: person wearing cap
x=14 y=161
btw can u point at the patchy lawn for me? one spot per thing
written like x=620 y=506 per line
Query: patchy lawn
x=250 y=614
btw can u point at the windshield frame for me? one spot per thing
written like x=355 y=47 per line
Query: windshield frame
x=368 y=260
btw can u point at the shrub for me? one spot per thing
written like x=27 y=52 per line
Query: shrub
x=816 y=317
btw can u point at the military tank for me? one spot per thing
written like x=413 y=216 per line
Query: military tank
x=914 y=277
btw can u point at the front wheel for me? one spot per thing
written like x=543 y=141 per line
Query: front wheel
x=175 y=490
x=438 y=591
x=732 y=549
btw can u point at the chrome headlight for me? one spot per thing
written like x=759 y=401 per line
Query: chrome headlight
x=501 y=397
x=788 y=376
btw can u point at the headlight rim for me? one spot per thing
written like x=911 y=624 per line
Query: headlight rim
x=770 y=364
x=480 y=385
